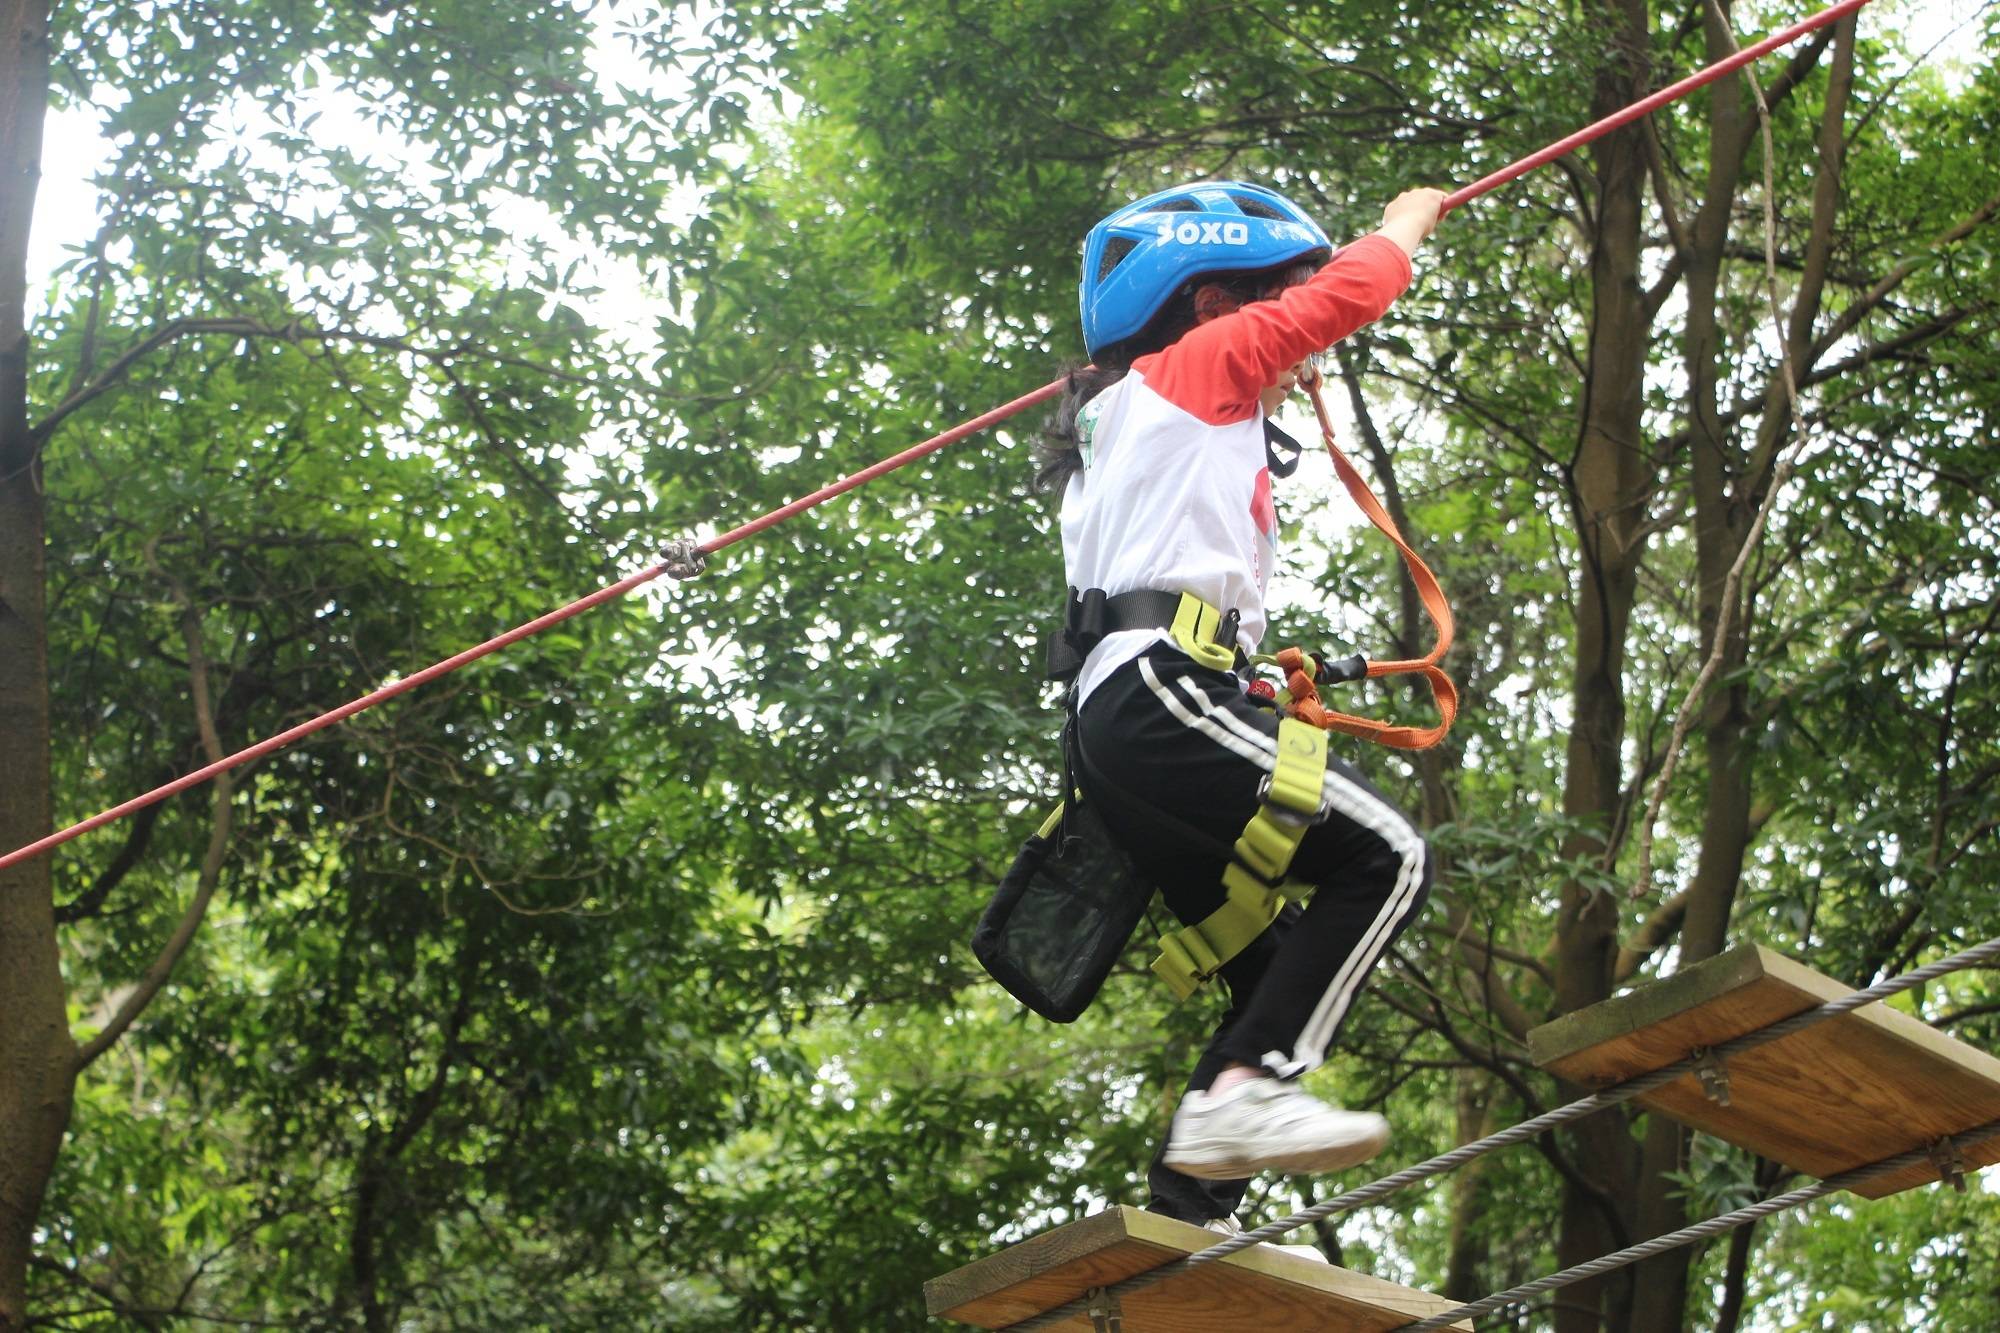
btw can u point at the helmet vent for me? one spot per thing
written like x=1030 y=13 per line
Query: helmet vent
x=1175 y=206
x=1257 y=208
x=1115 y=250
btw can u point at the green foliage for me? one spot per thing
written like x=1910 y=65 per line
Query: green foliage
x=1921 y=1260
x=619 y=979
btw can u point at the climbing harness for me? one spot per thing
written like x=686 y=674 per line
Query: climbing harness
x=1071 y=899
x=1091 y=615
x=1299 y=680
x=1208 y=635
x=1255 y=878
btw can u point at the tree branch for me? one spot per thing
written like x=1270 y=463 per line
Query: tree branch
x=1894 y=348
x=1505 y=955
x=297 y=331
x=1781 y=405
x=211 y=867
x=1677 y=234
x=1894 y=278
x=1480 y=954
x=138 y=835
x=1970 y=1011
x=1659 y=927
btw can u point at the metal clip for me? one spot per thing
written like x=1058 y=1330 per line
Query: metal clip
x=1105 y=1316
x=684 y=558
x=1713 y=1075
x=1949 y=1161
x=1284 y=814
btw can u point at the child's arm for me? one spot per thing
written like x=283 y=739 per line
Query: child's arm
x=1219 y=370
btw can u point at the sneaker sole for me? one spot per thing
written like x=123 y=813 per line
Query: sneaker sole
x=1229 y=1162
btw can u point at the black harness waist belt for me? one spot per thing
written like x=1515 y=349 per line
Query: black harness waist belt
x=1092 y=614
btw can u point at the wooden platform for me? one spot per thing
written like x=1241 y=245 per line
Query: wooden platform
x=1841 y=1094
x=1258 y=1290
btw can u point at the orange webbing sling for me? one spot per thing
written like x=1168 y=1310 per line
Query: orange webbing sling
x=1305 y=700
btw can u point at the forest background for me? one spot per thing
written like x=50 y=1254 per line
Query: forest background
x=620 y=979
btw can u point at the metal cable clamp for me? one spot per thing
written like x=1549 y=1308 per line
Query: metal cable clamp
x=1949 y=1161
x=684 y=559
x=1713 y=1076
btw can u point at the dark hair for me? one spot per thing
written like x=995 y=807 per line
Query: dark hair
x=1056 y=454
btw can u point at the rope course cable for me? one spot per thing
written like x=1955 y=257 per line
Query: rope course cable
x=1714 y=1226
x=683 y=560
x=1673 y=92
x=1979 y=955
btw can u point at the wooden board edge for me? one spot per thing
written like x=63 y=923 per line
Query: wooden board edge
x=1175 y=1239
x=1026 y=1259
x=1933 y=1042
x=1273 y=1262
x=1655 y=1002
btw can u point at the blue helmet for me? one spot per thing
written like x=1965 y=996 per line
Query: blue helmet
x=1137 y=258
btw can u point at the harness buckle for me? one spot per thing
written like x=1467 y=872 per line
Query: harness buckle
x=1342 y=670
x=1286 y=814
x=1204 y=633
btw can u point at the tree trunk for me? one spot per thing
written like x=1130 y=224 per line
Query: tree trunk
x=1730 y=483
x=1471 y=1247
x=1730 y=486
x=37 y=1057
x=1661 y=1284
x=1736 y=1279
x=1611 y=482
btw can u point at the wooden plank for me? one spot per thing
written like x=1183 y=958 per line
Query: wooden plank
x=1259 y=1290
x=1839 y=1095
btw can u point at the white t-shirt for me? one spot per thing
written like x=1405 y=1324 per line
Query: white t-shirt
x=1174 y=493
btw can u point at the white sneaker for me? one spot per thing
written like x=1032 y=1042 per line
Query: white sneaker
x=1263 y=1124
x=1305 y=1249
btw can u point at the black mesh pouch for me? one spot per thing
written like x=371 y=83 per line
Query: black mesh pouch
x=1063 y=914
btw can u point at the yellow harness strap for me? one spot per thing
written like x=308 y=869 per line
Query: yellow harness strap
x=1290 y=804
x=1196 y=627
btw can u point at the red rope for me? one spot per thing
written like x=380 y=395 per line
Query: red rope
x=519 y=632
x=890 y=464
x=324 y=720
x=1671 y=93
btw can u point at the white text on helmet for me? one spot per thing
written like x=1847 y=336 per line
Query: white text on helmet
x=1204 y=233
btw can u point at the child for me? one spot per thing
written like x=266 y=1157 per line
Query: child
x=1201 y=308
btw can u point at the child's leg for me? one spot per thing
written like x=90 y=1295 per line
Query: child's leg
x=1183 y=1196
x=1184 y=741
x=1373 y=875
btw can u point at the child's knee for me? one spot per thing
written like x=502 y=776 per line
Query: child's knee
x=1406 y=870
x=1426 y=875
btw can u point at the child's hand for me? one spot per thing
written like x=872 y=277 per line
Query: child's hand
x=1274 y=397
x=1410 y=217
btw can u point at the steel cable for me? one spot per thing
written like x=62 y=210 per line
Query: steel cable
x=1714 y=1226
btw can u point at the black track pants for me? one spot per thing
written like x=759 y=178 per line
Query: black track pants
x=1185 y=741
